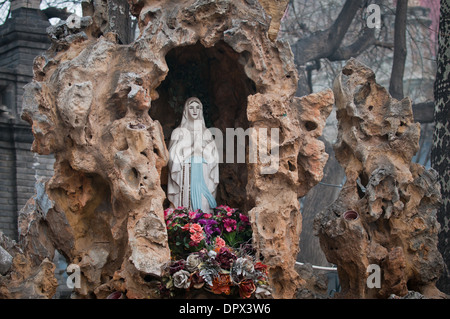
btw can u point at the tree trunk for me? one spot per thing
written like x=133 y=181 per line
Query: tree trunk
x=324 y=43
x=441 y=140
x=317 y=200
x=398 y=65
x=120 y=20
x=110 y=16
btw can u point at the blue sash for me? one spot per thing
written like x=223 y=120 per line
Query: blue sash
x=198 y=185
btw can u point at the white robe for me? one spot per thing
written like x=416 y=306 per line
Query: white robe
x=190 y=140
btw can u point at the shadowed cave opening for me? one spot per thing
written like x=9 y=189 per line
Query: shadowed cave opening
x=216 y=76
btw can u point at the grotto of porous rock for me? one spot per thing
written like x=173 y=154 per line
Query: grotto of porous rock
x=106 y=111
x=385 y=215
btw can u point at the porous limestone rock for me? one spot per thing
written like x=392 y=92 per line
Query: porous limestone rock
x=393 y=224
x=5 y=261
x=107 y=110
x=21 y=277
x=276 y=10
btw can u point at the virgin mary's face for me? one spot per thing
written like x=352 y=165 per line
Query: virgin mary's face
x=194 y=110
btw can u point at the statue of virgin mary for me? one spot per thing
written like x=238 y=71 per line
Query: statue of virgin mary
x=193 y=161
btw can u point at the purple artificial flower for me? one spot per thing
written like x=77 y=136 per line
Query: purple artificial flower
x=208 y=227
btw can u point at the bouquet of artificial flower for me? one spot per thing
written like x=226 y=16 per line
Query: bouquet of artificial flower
x=212 y=251
x=220 y=271
x=191 y=231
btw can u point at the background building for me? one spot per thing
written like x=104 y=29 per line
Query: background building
x=22 y=37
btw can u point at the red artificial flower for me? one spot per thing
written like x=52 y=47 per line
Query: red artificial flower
x=246 y=288
x=221 y=284
x=259 y=266
x=225 y=258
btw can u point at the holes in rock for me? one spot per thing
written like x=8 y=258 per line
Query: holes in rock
x=370 y=107
x=347 y=72
x=119 y=111
x=364 y=179
x=135 y=172
x=361 y=184
x=291 y=166
x=149 y=278
x=216 y=76
x=310 y=125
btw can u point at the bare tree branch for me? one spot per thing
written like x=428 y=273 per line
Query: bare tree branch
x=322 y=44
x=366 y=40
x=385 y=45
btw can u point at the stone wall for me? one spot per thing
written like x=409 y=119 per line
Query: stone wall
x=19 y=171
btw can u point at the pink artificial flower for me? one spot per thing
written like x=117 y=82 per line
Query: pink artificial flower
x=219 y=243
x=207 y=215
x=168 y=212
x=229 y=211
x=192 y=215
x=186 y=227
x=244 y=218
x=197 y=237
x=196 y=228
x=230 y=224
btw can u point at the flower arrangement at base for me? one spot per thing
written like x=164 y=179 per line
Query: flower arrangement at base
x=212 y=252
x=191 y=231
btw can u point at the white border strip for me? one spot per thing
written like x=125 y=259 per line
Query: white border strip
x=319 y=267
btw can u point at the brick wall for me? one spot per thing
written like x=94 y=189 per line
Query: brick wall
x=19 y=171
x=22 y=38
x=7 y=191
